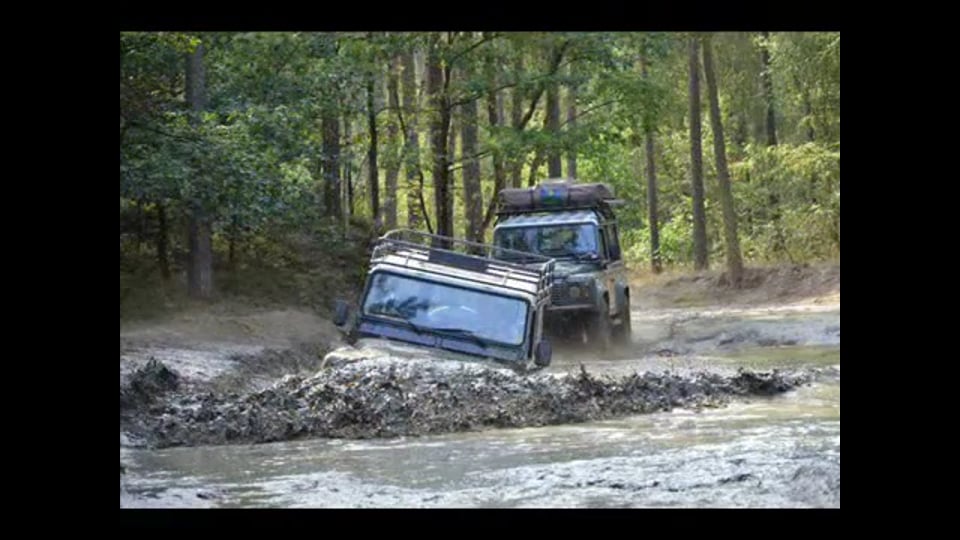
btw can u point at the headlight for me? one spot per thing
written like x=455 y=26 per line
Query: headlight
x=575 y=291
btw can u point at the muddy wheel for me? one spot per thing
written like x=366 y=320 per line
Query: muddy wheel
x=624 y=330
x=600 y=329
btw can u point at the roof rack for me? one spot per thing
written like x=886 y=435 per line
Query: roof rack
x=528 y=272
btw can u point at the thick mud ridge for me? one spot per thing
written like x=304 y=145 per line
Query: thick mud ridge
x=387 y=397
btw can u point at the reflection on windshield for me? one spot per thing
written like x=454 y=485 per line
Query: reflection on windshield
x=429 y=304
x=553 y=241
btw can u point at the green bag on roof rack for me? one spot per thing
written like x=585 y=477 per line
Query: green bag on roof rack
x=555 y=194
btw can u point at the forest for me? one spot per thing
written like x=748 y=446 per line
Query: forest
x=261 y=165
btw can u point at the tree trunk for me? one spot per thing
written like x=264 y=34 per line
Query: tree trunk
x=200 y=263
x=331 y=162
x=346 y=192
x=767 y=80
x=516 y=121
x=571 y=128
x=439 y=138
x=808 y=113
x=373 y=178
x=495 y=116
x=161 y=239
x=140 y=225
x=773 y=200
x=472 y=194
x=233 y=238
x=451 y=172
x=393 y=134
x=656 y=263
x=412 y=151
x=535 y=167
x=696 y=162
x=734 y=260
x=552 y=126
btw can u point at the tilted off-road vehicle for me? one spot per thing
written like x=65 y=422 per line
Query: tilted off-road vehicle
x=438 y=293
x=575 y=225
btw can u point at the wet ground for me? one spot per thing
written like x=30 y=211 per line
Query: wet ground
x=753 y=444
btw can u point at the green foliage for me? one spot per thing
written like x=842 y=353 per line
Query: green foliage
x=252 y=159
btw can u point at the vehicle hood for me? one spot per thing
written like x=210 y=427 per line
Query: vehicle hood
x=564 y=269
x=384 y=349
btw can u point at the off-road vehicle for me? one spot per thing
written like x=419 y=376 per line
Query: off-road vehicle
x=440 y=293
x=575 y=225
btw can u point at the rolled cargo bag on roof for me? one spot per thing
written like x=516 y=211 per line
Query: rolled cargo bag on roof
x=555 y=195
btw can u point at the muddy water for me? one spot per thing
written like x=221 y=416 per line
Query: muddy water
x=779 y=451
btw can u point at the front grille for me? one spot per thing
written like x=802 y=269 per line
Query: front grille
x=560 y=294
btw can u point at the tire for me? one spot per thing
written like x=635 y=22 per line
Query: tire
x=624 y=331
x=599 y=328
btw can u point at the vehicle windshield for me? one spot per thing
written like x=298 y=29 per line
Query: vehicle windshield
x=578 y=240
x=432 y=305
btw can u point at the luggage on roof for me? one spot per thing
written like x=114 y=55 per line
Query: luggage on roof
x=555 y=194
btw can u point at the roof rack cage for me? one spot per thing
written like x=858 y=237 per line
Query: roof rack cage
x=468 y=256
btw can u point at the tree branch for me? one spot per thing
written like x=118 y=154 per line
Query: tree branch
x=145 y=127
x=554 y=66
x=483 y=40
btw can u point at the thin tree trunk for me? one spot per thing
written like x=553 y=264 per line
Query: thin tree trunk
x=535 y=167
x=656 y=263
x=516 y=120
x=472 y=194
x=552 y=126
x=767 y=80
x=412 y=151
x=571 y=128
x=161 y=240
x=346 y=193
x=696 y=162
x=808 y=113
x=773 y=199
x=141 y=224
x=200 y=265
x=393 y=134
x=439 y=139
x=451 y=173
x=331 y=162
x=496 y=117
x=373 y=178
x=232 y=262
x=734 y=259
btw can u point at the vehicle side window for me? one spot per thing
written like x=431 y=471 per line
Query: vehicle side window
x=614 y=243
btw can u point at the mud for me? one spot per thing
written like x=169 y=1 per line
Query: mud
x=385 y=397
x=146 y=385
x=779 y=451
x=718 y=406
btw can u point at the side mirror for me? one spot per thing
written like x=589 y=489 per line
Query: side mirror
x=543 y=353
x=341 y=312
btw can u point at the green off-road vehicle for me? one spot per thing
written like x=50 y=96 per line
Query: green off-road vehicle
x=429 y=295
x=575 y=225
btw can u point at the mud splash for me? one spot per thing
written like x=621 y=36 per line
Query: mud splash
x=383 y=397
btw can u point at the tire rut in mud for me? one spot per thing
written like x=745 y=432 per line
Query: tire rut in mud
x=391 y=398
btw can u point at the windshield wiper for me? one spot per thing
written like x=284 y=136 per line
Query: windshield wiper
x=408 y=323
x=462 y=332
